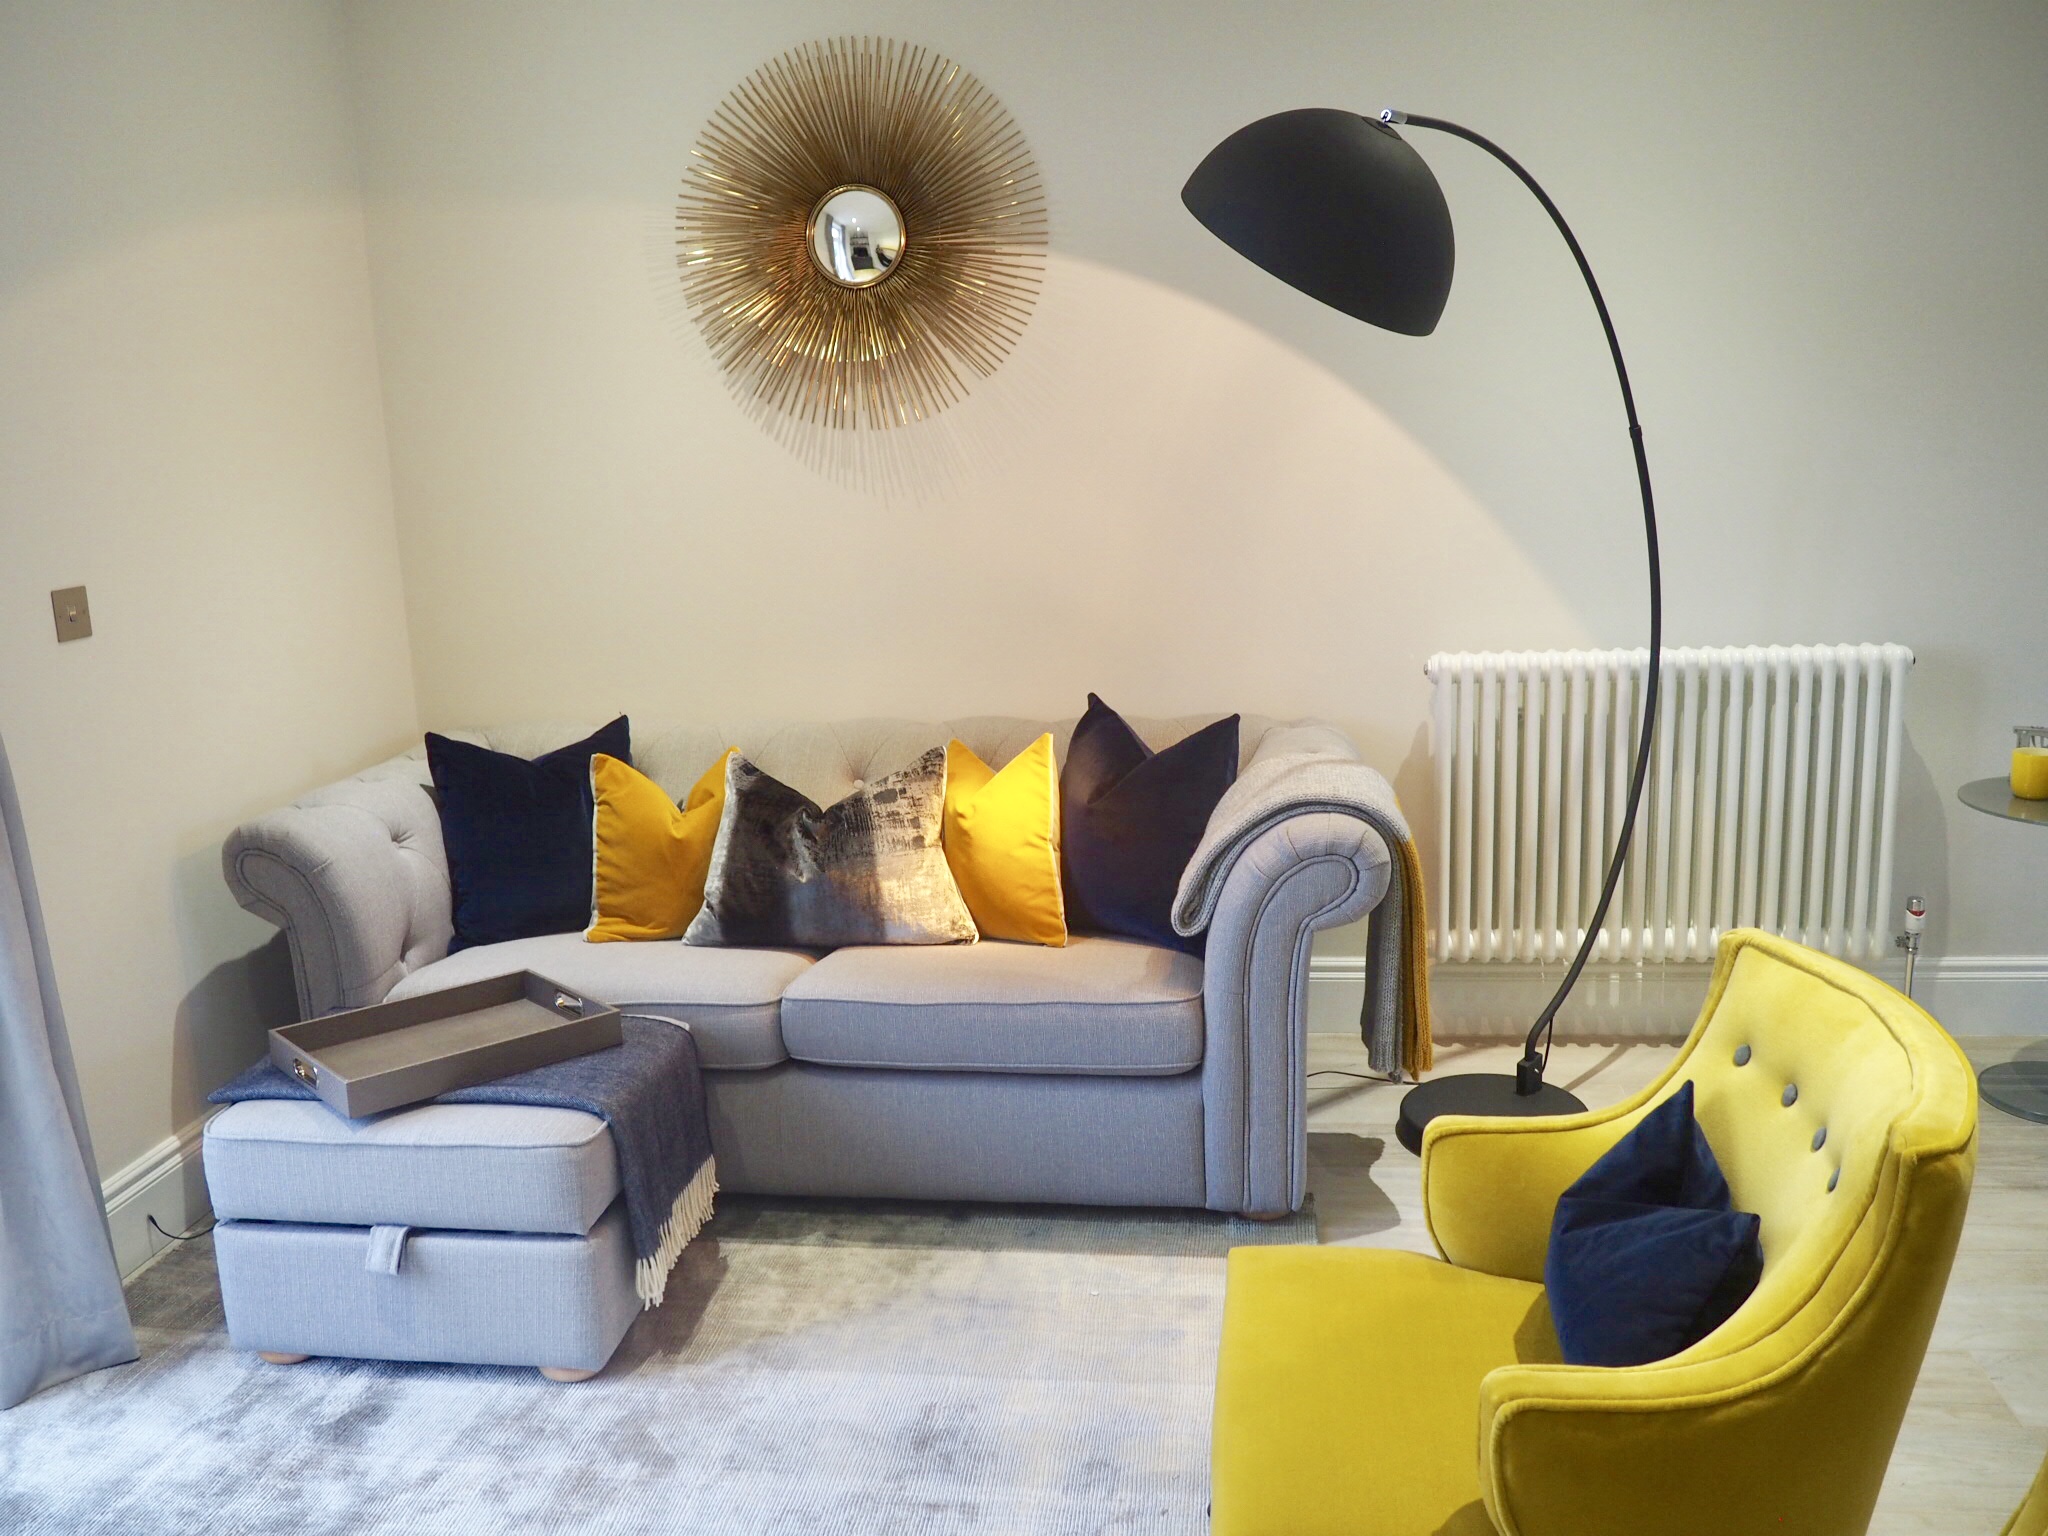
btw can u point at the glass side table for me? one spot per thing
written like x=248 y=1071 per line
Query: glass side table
x=2017 y=1087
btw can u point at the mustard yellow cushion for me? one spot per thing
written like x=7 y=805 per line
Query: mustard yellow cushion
x=1347 y=1391
x=1002 y=839
x=649 y=855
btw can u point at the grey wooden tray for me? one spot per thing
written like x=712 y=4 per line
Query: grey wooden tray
x=373 y=1059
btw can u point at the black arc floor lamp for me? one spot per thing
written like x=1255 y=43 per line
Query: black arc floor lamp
x=1343 y=208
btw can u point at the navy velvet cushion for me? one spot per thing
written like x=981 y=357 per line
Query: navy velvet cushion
x=1131 y=818
x=1647 y=1253
x=518 y=834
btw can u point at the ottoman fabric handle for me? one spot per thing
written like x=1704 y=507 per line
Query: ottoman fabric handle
x=387 y=1249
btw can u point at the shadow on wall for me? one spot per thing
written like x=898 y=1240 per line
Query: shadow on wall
x=1251 y=522
x=1946 y=684
x=1920 y=866
x=221 y=1023
x=1415 y=785
x=1152 y=499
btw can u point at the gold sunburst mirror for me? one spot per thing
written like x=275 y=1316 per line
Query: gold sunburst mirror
x=861 y=233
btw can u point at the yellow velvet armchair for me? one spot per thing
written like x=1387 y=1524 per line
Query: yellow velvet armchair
x=2031 y=1518
x=1367 y=1392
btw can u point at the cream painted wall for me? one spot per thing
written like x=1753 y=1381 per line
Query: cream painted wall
x=190 y=424
x=1820 y=230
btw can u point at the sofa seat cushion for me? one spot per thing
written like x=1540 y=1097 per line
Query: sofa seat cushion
x=1327 y=1350
x=473 y=1167
x=1108 y=1007
x=728 y=997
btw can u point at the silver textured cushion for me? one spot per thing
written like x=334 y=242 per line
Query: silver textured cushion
x=868 y=869
x=728 y=997
x=1105 y=1007
x=484 y=1167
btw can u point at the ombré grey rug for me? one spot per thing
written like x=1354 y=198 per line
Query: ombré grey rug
x=819 y=1367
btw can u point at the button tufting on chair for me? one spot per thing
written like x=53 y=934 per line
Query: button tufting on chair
x=1742 y=1055
x=1790 y=1096
x=1820 y=1138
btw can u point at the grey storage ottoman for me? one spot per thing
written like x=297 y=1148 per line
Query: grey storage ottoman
x=514 y=1248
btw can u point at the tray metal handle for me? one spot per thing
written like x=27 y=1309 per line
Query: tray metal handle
x=304 y=1072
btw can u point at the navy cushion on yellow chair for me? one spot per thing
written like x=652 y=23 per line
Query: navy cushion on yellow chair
x=1647 y=1253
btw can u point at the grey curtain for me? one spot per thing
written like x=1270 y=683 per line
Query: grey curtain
x=61 y=1312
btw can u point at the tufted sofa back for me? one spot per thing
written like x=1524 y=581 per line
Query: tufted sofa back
x=356 y=873
x=822 y=760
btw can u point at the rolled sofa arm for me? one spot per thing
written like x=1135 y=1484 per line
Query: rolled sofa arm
x=356 y=876
x=1305 y=873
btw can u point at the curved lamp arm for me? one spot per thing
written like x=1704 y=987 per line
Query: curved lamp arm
x=1536 y=1053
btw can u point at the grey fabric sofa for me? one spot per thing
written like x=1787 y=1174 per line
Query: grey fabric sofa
x=1108 y=1072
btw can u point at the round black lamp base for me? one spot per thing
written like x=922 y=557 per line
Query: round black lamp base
x=1476 y=1093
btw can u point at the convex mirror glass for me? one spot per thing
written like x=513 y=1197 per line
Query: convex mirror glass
x=857 y=235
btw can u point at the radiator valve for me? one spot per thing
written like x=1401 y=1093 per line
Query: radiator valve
x=1909 y=940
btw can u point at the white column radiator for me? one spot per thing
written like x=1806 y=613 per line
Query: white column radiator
x=1770 y=803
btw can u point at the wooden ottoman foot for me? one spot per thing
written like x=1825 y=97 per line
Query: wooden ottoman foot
x=278 y=1357
x=565 y=1373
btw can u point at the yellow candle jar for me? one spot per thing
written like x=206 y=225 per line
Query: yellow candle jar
x=2030 y=764
x=2030 y=773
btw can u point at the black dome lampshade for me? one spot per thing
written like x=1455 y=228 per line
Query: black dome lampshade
x=1337 y=205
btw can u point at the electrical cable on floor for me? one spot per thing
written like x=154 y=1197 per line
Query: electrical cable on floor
x=1363 y=1077
x=189 y=1237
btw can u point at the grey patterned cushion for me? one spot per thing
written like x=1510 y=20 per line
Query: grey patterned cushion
x=870 y=870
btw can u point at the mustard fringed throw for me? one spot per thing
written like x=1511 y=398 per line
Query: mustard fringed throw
x=1418 y=1045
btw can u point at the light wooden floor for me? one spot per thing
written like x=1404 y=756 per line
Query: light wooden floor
x=1978 y=1424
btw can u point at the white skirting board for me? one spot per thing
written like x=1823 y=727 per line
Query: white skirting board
x=1969 y=994
x=165 y=1182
